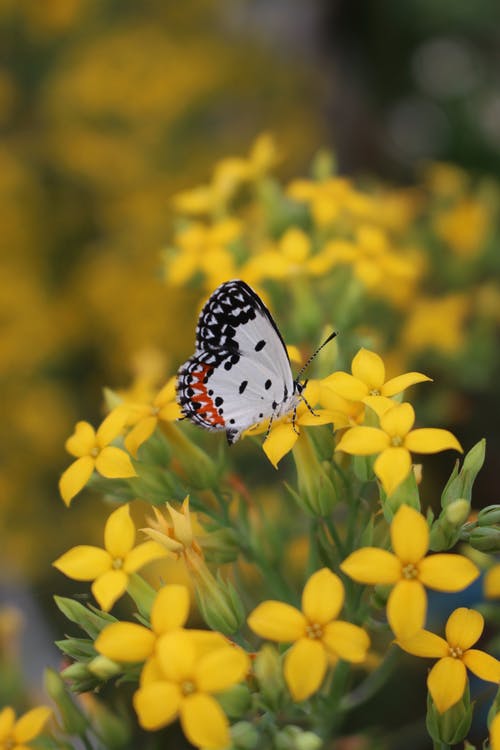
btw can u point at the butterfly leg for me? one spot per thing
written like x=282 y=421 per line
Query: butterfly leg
x=301 y=395
x=294 y=419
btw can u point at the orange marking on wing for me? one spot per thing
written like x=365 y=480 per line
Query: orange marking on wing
x=207 y=406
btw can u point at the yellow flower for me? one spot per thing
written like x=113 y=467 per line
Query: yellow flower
x=110 y=568
x=331 y=199
x=393 y=441
x=184 y=687
x=284 y=432
x=368 y=379
x=464 y=227
x=201 y=248
x=408 y=568
x=176 y=537
x=318 y=637
x=447 y=679
x=15 y=735
x=93 y=451
x=492 y=582
x=436 y=323
x=495 y=733
x=146 y=417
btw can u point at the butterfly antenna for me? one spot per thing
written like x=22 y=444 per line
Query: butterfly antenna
x=315 y=354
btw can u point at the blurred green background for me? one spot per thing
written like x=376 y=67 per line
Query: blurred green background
x=109 y=107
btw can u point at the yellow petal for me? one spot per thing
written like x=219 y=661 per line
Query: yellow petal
x=82 y=441
x=323 y=597
x=142 y=555
x=75 y=478
x=84 y=563
x=424 y=643
x=483 y=665
x=492 y=583
x=446 y=682
x=112 y=426
x=170 y=412
x=167 y=393
x=109 y=587
x=406 y=609
x=220 y=669
x=392 y=467
x=447 y=572
x=170 y=608
x=369 y=367
x=157 y=704
x=495 y=733
x=31 y=724
x=372 y=565
x=304 y=668
x=409 y=535
x=431 y=440
x=177 y=655
x=320 y=416
x=7 y=719
x=280 y=440
x=398 y=421
x=125 y=641
x=363 y=441
x=277 y=621
x=119 y=532
x=402 y=382
x=347 y=641
x=204 y=722
x=346 y=385
x=139 y=434
x=114 y=463
x=464 y=628
x=151 y=672
x=378 y=404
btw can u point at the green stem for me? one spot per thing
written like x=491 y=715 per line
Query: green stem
x=371 y=685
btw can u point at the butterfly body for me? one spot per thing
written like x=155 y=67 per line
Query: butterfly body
x=240 y=373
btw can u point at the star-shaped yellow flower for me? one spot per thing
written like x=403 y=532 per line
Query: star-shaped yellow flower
x=447 y=679
x=393 y=441
x=15 y=735
x=368 y=379
x=145 y=417
x=93 y=451
x=110 y=568
x=318 y=637
x=409 y=570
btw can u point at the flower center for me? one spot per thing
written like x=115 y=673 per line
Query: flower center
x=409 y=571
x=188 y=687
x=94 y=452
x=155 y=410
x=375 y=392
x=397 y=441
x=118 y=563
x=314 y=630
x=9 y=743
x=455 y=652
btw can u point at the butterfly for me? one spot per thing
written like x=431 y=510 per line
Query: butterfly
x=240 y=373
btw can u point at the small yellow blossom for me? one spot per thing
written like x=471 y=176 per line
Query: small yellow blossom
x=393 y=441
x=184 y=685
x=409 y=570
x=292 y=256
x=16 y=734
x=436 y=323
x=146 y=417
x=368 y=379
x=447 y=679
x=331 y=200
x=285 y=431
x=110 y=568
x=93 y=451
x=492 y=582
x=318 y=637
x=464 y=227
x=445 y=180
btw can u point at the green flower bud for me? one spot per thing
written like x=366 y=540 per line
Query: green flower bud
x=446 y=530
x=316 y=494
x=489 y=516
x=218 y=602
x=104 y=668
x=405 y=493
x=460 y=483
x=236 y=701
x=457 y=512
x=295 y=738
x=244 y=736
x=268 y=670
x=452 y=726
x=80 y=678
x=485 y=539
x=72 y=719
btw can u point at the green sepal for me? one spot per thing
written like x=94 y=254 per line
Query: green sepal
x=363 y=468
x=452 y=726
x=88 y=618
x=489 y=516
x=79 y=649
x=268 y=670
x=460 y=483
x=405 y=493
x=485 y=539
x=220 y=546
x=155 y=450
x=447 y=529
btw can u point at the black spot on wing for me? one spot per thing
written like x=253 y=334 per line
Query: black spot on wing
x=243 y=385
x=267 y=384
x=260 y=345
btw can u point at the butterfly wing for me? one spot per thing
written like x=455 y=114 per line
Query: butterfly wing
x=240 y=373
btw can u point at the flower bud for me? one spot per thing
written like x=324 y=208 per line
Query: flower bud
x=485 y=539
x=405 y=493
x=452 y=726
x=236 y=701
x=489 y=516
x=80 y=678
x=446 y=530
x=104 y=668
x=244 y=736
x=72 y=719
x=295 y=738
x=460 y=483
x=218 y=601
x=316 y=492
x=268 y=671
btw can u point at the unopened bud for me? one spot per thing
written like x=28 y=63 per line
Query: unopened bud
x=268 y=670
x=457 y=512
x=295 y=738
x=452 y=726
x=485 y=539
x=244 y=736
x=218 y=602
x=104 y=668
x=236 y=701
x=489 y=515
